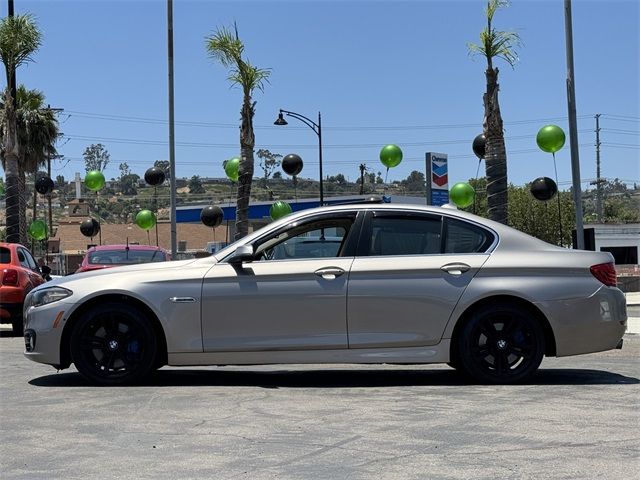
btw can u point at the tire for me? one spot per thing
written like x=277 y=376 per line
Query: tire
x=500 y=344
x=113 y=344
x=17 y=327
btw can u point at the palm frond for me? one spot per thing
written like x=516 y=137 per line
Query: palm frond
x=20 y=37
x=225 y=47
x=496 y=43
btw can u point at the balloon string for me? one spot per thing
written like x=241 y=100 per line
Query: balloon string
x=558 y=193
x=148 y=238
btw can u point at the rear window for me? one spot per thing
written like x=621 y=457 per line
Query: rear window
x=125 y=257
x=5 y=255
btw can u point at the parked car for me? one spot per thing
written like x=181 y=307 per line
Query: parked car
x=407 y=284
x=107 y=256
x=19 y=274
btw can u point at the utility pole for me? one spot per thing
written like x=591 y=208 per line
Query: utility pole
x=172 y=148
x=56 y=110
x=598 y=181
x=573 y=126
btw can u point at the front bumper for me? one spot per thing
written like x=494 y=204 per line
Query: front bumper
x=43 y=327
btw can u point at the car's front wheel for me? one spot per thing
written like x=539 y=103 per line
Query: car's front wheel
x=113 y=344
x=501 y=343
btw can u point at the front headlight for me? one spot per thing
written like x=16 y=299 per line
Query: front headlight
x=46 y=295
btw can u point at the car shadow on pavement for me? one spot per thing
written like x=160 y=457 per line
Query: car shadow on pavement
x=337 y=378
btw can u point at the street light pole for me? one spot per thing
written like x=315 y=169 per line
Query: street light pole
x=317 y=128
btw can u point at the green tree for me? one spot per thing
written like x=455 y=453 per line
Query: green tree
x=415 y=182
x=96 y=157
x=268 y=162
x=128 y=180
x=495 y=44
x=195 y=185
x=20 y=38
x=226 y=47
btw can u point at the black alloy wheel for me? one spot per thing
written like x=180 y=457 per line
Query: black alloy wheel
x=113 y=344
x=501 y=344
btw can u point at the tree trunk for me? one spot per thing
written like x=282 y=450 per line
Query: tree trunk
x=247 y=142
x=22 y=188
x=11 y=156
x=495 y=151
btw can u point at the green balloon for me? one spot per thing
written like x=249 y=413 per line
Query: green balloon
x=462 y=194
x=550 y=138
x=94 y=180
x=279 y=209
x=145 y=219
x=232 y=169
x=38 y=230
x=391 y=156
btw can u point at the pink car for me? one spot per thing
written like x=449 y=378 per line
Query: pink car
x=106 y=256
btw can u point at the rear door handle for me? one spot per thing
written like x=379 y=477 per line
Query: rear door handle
x=456 y=269
x=329 y=273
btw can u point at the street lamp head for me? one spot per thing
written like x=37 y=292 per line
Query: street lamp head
x=280 y=120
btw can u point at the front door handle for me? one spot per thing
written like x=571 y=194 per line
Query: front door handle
x=329 y=273
x=456 y=269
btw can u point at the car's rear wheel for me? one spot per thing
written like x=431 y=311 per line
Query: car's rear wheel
x=501 y=344
x=113 y=344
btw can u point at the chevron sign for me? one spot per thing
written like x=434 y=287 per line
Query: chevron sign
x=438 y=188
x=439 y=173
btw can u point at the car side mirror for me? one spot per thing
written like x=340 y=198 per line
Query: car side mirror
x=243 y=253
x=46 y=270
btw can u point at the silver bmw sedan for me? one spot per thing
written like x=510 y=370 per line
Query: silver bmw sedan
x=368 y=283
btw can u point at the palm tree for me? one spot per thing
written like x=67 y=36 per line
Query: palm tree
x=19 y=39
x=226 y=47
x=37 y=135
x=37 y=129
x=495 y=44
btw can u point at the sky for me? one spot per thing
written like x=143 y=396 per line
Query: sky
x=380 y=72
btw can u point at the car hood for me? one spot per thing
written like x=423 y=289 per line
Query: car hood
x=138 y=267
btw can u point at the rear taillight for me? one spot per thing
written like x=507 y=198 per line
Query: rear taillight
x=10 y=277
x=605 y=272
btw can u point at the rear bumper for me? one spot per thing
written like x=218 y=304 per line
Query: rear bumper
x=588 y=325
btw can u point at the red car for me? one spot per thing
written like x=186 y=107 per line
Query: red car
x=19 y=273
x=105 y=256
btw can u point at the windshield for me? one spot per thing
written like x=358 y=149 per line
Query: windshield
x=125 y=257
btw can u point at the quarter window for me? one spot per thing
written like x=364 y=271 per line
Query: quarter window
x=463 y=237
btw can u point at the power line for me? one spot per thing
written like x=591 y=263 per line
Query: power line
x=133 y=141
x=136 y=119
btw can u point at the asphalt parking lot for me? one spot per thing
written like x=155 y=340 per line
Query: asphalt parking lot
x=577 y=419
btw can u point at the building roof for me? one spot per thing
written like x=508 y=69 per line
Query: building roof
x=195 y=235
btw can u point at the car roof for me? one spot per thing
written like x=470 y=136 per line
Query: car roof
x=123 y=246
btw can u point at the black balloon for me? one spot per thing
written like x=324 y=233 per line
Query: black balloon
x=211 y=216
x=90 y=227
x=44 y=185
x=479 y=146
x=543 y=188
x=154 y=176
x=292 y=164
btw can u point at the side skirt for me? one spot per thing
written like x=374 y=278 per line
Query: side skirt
x=432 y=354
